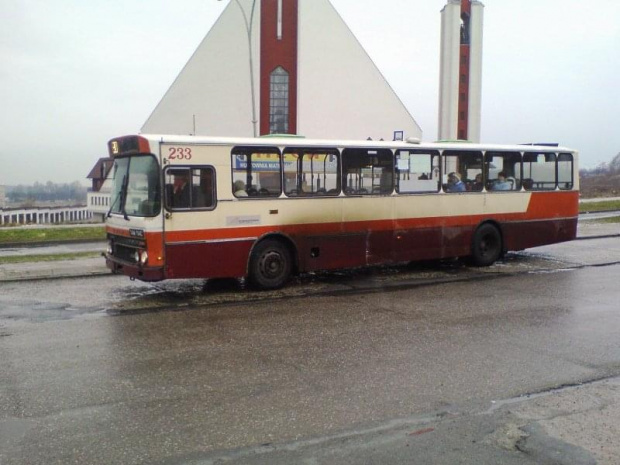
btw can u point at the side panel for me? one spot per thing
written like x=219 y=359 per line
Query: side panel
x=331 y=251
x=524 y=235
x=344 y=232
x=207 y=260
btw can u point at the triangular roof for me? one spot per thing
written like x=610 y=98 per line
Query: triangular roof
x=341 y=93
x=101 y=169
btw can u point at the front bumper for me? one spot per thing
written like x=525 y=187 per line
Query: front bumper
x=134 y=270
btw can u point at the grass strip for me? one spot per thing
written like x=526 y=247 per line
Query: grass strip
x=603 y=206
x=42 y=235
x=47 y=258
x=611 y=220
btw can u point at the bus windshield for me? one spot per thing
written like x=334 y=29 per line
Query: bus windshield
x=136 y=190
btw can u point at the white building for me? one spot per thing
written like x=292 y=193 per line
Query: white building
x=98 y=196
x=460 y=89
x=281 y=66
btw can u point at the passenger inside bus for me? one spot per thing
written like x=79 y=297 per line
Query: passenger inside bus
x=478 y=184
x=455 y=184
x=239 y=189
x=179 y=195
x=204 y=197
x=501 y=183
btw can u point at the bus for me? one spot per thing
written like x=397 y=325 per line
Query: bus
x=267 y=208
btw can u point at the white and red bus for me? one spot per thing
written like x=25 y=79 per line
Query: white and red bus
x=266 y=208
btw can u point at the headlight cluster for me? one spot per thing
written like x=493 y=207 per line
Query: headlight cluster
x=110 y=249
x=140 y=256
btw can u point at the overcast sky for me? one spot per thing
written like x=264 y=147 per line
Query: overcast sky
x=76 y=73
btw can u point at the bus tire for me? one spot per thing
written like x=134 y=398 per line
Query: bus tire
x=270 y=265
x=486 y=245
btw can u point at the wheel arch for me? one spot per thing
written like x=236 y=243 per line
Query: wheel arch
x=493 y=222
x=284 y=239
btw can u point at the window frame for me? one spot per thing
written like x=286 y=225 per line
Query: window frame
x=413 y=152
x=363 y=191
x=572 y=171
x=191 y=169
x=122 y=193
x=299 y=173
x=518 y=177
x=249 y=178
x=445 y=172
x=527 y=154
x=276 y=87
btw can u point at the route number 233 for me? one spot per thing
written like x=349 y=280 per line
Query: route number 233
x=180 y=153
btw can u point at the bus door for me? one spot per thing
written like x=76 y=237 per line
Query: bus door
x=190 y=196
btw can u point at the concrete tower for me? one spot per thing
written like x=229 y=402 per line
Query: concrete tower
x=460 y=86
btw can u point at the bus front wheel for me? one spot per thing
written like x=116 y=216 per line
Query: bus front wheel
x=486 y=245
x=270 y=265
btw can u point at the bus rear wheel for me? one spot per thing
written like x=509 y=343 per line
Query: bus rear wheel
x=270 y=265
x=486 y=245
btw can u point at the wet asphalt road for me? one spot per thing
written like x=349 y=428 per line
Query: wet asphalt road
x=334 y=369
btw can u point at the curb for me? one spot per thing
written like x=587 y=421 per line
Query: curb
x=93 y=274
x=23 y=245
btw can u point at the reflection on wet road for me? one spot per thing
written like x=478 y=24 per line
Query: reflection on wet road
x=115 y=295
x=135 y=380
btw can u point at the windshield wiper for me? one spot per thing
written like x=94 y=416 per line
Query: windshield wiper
x=120 y=196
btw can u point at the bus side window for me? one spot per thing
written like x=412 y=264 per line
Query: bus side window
x=540 y=168
x=178 y=188
x=311 y=172
x=204 y=188
x=256 y=172
x=187 y=188
x=461 y=169
x=565 y=171
x=367 y=171
x=417 y=171
x=503 y=171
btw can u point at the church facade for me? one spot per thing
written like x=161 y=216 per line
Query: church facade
x=281 y=67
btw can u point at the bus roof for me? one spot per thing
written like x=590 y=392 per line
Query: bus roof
x=284 y=140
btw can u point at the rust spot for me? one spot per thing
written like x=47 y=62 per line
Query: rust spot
x=422 y=431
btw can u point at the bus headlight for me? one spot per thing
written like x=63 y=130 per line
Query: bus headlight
x=110 y=249
x=141 y=256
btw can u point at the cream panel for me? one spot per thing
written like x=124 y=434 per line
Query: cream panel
x=320 y=211
x=368 y=208
x=507 y=202
x=434 y=206
x=259 y=213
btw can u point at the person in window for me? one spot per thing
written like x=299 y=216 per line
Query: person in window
x=455 y=184
x=501 y=184
x=205 y=190
x=239 y=189
x=180 y=190
x=477 y=185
